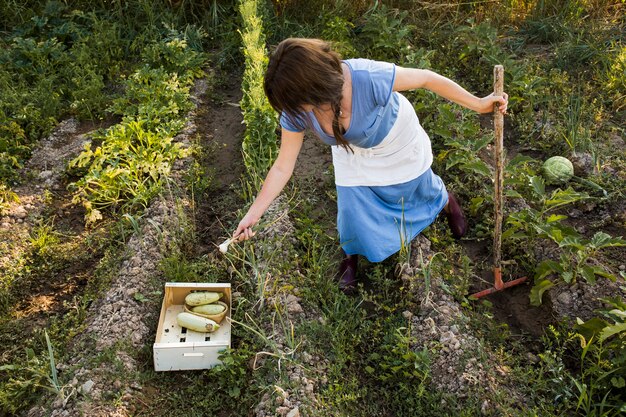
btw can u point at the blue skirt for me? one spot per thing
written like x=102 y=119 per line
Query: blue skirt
x=377 y=221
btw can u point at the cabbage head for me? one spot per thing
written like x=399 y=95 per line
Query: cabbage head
x=557 y=170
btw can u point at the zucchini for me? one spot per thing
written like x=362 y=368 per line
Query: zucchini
x=199 y=298
x=196 y=323
x=209 y=309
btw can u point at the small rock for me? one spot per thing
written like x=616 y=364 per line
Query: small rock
x=87 y=387
x=532 y=358
x=622 y=267
x=583 y=164
x=295 y=308
x=485 y=408
x=58 y=403
x=282 y=411
x=447 y=338
x=564 y=298
x=294 y=413
x=44 y=175
x=20 y=212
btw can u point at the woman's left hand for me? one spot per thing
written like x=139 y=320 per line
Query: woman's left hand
x=487 y=103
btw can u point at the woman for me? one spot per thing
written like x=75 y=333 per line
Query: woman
x=386 y=191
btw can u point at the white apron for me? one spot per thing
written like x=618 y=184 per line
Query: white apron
x=403 y=155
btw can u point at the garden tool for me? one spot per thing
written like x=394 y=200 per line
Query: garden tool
x=498 y=121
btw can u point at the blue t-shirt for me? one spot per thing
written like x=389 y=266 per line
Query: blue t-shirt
x=374 y=106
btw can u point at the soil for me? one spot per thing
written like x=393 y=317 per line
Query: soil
x=511 y=305
x=221 y=130
x=49 y=290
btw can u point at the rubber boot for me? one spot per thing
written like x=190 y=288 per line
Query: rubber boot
x=455 y=216
x=347 y=274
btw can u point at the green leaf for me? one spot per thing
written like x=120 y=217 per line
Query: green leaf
x=591 y=328
x=456 y=158
x=536 y=293
x=572 y=242
x=538 y=185
x=476 y=204
x=518 y=160
x=555 y=218
x=612 y=330
x=603 y=240
x=588 y=274
x=618 y=382
x=621 y=314
x=478 y=167
x=601 y=272
x=444 y=133
x=563 y=197
x=477 y=145
x=512 y=194
x=568 y=276
x=546 y=268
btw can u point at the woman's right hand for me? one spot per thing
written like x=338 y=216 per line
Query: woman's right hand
x=244 y=229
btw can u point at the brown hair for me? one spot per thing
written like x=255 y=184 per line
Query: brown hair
x=305 y=71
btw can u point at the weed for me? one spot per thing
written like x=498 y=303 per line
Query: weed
x=44 y=239
x=7 y=197
x=24 y=380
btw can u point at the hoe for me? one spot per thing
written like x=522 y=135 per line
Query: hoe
x=498 y=121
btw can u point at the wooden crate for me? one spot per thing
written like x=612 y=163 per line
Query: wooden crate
x=178 y=348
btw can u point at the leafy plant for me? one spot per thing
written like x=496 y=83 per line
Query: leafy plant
x=6 y=197
x=603 y=361
x=44 y=238
x=176 y=56
x=126 y=170
x=385 y=34
x=155 y=97
x=397 y=365
x=259 y=145
x=135 y=156
x=578 y=256
x=578 y=259
x=463 y=140
x=21 y=381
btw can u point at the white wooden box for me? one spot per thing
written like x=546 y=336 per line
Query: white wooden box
x=178 y=348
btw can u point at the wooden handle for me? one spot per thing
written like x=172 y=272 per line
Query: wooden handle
x=498 y=125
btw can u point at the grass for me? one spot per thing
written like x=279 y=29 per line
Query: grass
x=357 y=351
